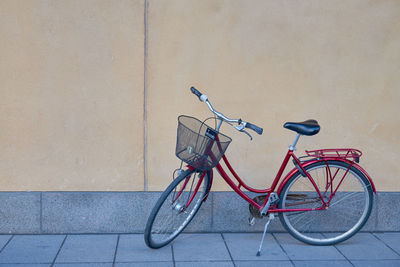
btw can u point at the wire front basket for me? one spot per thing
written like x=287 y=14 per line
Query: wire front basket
x=198 y=144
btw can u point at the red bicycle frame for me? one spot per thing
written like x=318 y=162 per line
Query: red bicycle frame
x=318 y=155
x=268 y=191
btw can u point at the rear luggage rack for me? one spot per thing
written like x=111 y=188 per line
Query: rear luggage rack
x=343 y=153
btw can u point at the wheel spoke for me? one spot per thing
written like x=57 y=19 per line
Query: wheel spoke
x=346 y=213
x=343 y=198
x=171 y=213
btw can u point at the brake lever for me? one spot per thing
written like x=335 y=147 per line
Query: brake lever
x=240 y=128
x=251 y=138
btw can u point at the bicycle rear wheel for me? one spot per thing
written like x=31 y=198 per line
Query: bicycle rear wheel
x=346 y=213
x=176 y=207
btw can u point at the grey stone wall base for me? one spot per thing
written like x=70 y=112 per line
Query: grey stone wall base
x=127 y=212
x=20 y=212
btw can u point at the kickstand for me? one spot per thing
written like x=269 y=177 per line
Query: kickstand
x=270 y=218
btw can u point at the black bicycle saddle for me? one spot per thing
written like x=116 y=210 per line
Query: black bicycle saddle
x=308 y=127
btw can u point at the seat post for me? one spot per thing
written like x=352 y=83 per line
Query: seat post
x=296 y=139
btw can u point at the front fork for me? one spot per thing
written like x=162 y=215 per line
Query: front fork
x=176 y=205
x=210 y=175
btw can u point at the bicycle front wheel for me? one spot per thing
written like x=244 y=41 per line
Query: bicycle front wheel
x=176 y=207
x=344 y=188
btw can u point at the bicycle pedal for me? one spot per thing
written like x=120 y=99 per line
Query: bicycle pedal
x=252 y=221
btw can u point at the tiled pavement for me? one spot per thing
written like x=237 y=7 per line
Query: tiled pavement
x=216 y=249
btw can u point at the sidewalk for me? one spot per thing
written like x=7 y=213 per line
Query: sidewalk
x=216 y=249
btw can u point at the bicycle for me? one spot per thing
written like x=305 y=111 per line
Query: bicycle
x=324 y=185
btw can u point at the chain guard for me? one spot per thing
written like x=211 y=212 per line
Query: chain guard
x=253 y=210
x=273 y=199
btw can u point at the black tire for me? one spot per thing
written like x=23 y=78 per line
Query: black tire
x=169 y=211
x=337 y=223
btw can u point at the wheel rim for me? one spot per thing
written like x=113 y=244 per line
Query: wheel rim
x=345 y=215
x=174 y=214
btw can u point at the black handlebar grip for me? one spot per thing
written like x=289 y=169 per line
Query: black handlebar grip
x=196 y=92
x=254 y=128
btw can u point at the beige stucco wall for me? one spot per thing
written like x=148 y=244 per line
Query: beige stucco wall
x=71 y=97
x=72 y=86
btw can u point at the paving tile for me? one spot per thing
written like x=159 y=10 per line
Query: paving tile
x=3 y=240
x=200 y=247
x=317 y=263
x=297 y=250
x=147 y=264
x=263 y=263
x=376 y=263
x=83 y=264
x=390 y=239
x=24 y=265
x=365 y=246
x=32 y=249
x=132 y=248
x=88 y=248
x=244 y=246
x=204 y=264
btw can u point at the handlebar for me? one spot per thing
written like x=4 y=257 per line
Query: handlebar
x=242 y=124
x=196 y=92
x=202 y=98
x=254 y=127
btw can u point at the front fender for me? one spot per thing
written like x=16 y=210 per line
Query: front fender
x=210 y=174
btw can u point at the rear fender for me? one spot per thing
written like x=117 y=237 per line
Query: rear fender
x=366 y=174
x=291 y=173
x=294 y=170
